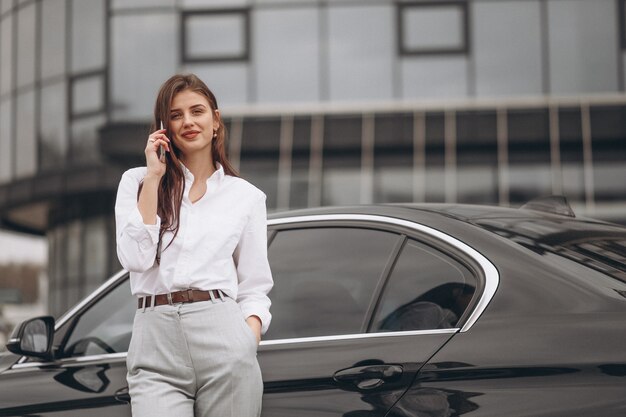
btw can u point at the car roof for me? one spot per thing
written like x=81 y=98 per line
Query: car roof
x=595 y=243
x=478 y=215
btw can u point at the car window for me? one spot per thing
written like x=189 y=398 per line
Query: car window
x=106 y=326
x=426 y=290
x=324 y=279
x=607 y=255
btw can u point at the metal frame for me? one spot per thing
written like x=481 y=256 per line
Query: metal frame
x=100 y=75
x=404 y=50
x=492 y=277
x=185 y=58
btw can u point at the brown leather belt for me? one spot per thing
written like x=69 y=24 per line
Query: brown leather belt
x=184 y=296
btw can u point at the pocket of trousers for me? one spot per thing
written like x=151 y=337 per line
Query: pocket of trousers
x=250 y=333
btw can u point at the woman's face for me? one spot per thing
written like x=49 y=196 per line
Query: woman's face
x=192 y=122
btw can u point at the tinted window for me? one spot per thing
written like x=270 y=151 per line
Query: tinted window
x=606 y=255
x=106 y=326
x=426 y=290
x=601 y=247
x=324 y=279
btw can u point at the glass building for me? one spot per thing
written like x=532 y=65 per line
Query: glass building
x=326 y=102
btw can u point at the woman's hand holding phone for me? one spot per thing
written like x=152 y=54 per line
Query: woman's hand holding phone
x=158 y=144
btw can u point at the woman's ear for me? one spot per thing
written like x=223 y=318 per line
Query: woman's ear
x=216 y=119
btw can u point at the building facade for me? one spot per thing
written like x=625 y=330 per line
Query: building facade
x=326 y=102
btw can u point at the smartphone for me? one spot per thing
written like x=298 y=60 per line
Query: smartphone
x=161 y=147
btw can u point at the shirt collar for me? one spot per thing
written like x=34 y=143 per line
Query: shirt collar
x=218 y=174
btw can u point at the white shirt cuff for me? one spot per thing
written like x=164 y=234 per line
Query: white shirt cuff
x=147 y=235
x=259 y=311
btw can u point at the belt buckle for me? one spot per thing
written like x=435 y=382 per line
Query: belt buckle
x=169 y=298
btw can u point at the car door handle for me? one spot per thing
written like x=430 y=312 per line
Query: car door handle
x=368 y=377
x=122 y=395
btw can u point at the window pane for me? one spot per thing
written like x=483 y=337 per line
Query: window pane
x=73 y=264
x=6 y=140
x=261 y=136
x=53 y=247
x=529 y=155
x=301 y=156
x=571 y=147
x=263 y=173
x=87 y=94
x=434 y=77
x=434 y=181
x=229 y=81
x=477 y=157
x=608 y=181
x=26 y=46
x=6 y=5
x=153 y=46
x=360 y=57
x=57 y=284
x=114 y=262
x=259 y=155
x=96 y=253
x=85 y=139
x=426 y=290
x=52 y=38
x=88 y=40
x=507 y=38
x=53 y=133
x=215 y=36
x=582 y=41
x=6 y=55
x=433 y=27
x=106 y=327
x=292 y=33
x=477 y=184
x=324 y=279
x=608 y=129
x=26 y=161
x=393 y=158
x=341 y=182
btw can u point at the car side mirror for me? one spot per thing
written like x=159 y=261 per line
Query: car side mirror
x=33 y=338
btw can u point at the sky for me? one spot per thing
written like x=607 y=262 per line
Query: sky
x=20 y=248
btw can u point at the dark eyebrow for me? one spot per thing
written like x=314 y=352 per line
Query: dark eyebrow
x=192 y=107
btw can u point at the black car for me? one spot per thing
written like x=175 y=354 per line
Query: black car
x=391 y=310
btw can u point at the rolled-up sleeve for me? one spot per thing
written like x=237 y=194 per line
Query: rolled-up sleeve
x=136 y=241
x=253 y=269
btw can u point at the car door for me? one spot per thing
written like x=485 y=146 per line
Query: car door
x=90 y=375
x=344 y=340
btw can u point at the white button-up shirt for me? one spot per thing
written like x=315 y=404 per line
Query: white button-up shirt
x=221 y=243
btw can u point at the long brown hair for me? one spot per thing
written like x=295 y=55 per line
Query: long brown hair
x=172 y=186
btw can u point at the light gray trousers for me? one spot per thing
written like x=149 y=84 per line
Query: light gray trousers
x=196 y=359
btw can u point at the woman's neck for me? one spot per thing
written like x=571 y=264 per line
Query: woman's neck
x=200 y=166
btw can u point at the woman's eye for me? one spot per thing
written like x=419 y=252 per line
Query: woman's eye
x=197 y=111
x=175 y=116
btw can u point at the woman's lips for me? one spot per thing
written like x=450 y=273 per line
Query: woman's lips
x=190 y=135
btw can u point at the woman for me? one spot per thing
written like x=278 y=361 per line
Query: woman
x=193 y=236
